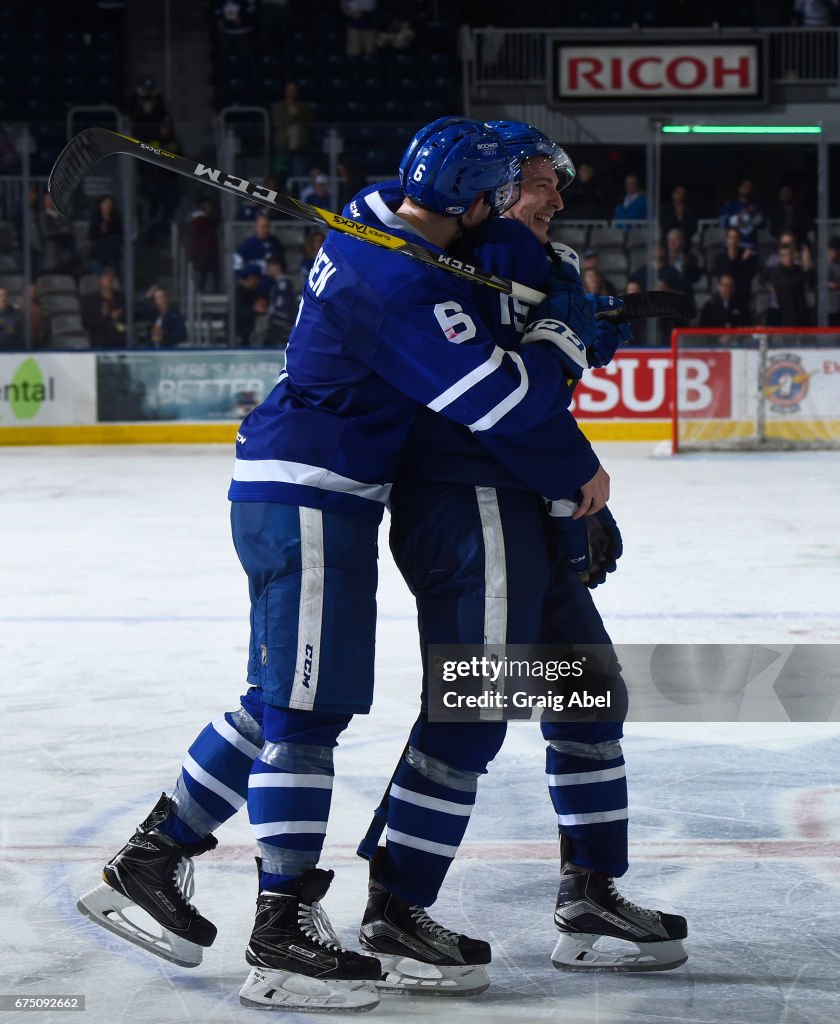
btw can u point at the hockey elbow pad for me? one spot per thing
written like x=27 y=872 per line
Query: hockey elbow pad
x=567 y=346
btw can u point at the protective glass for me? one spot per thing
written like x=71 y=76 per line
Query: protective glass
x=560 y=159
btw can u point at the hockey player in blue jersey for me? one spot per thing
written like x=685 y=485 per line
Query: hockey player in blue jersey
x=470 y=539
x=377 y=336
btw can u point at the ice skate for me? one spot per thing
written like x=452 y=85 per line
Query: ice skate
x=298 y=962
x=600 y=930
x=145 y=895
x=418 y=955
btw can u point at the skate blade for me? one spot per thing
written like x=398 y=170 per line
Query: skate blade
x=580 y=952
x=285 y=990
x=404 y=976
x=107 y=908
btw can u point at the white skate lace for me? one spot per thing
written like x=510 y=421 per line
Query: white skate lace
x=182 y=876
x=625 y=904
x=315 y=925
x=437 y=931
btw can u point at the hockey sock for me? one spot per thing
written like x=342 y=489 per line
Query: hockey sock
x=213 y=783
x=588 y=789
x=430 y=803
x=290 y=790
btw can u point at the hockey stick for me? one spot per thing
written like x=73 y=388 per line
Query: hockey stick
x=90 y=146
x=650 y=305
x=86 y=149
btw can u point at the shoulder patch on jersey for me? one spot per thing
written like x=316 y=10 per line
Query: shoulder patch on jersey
x=566 y=255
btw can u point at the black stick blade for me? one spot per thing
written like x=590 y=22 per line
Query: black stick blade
x=652 y=306
x=74 y=161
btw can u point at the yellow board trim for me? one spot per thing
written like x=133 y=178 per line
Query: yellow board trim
x=626 y=430
x=122 y=433
x=225 y=433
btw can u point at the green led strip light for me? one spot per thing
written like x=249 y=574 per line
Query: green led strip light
x=741 y=129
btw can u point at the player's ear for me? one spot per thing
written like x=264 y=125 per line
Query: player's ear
x=477 y=212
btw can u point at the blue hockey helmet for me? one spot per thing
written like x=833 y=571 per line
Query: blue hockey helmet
x=524 y=141
x=452 y=161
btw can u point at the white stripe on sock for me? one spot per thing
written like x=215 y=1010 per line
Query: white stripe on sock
x=280 y=828
x=227 y=732
x=265 y=780
x=433 y=803
x=195 y=771
x=416 y=843
x=584 y=778
x=593 y=818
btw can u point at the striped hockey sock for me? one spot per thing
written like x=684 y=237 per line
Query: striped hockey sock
x=588 y=789
x=213 y=783
x=428 y=812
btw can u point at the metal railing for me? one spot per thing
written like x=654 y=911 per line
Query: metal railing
x=518 y=57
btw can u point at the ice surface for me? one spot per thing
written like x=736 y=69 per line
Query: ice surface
x=123 y=630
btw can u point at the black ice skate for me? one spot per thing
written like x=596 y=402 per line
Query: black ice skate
x=298 y=962
x=600 y=930
x=153 y=873
x=418 y=955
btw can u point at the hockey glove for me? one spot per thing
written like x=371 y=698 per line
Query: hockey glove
x=605 y=547
x=567 y=346
x=590 y=546
x=609 y=336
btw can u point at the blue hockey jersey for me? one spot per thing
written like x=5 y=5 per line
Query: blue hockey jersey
x=377 y=335
x=437 y=449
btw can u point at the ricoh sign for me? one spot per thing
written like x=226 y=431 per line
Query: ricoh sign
x=658 y=72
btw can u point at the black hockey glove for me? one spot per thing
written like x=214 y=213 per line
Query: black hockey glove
x=590 y=546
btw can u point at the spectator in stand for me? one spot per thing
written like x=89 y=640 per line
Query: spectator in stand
x=585 y=199
x=11 y=324
x=788 y=215
x=834 y=282
x=801 y=254
x=632 y=288
x=685 y=263
x=105 y=235
x=318 y=192
x=722 y=308
x=161 y=188
x=204 y=245
x=291 y=121
x=788 y=285
x=147 y=109
x=353 y=178
x=640 y=274
x=103 y=314
x=593 y=282
x=815 y=13
x=311 y=244
x=282 y=305
x=38 y=323
x=250 y=211
x=678 y=214
x=252 y=281
x=634 y=204
x=167 y=325
x=745 y=214
x=55 y=240
x=236 y=21
x=740 y=264
x=592 y=261
x=360 y=23
x=398 y=35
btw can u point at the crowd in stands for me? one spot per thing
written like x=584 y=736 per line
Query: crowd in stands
x=355 y=64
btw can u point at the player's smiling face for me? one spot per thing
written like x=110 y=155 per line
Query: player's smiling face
x=539 y=199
